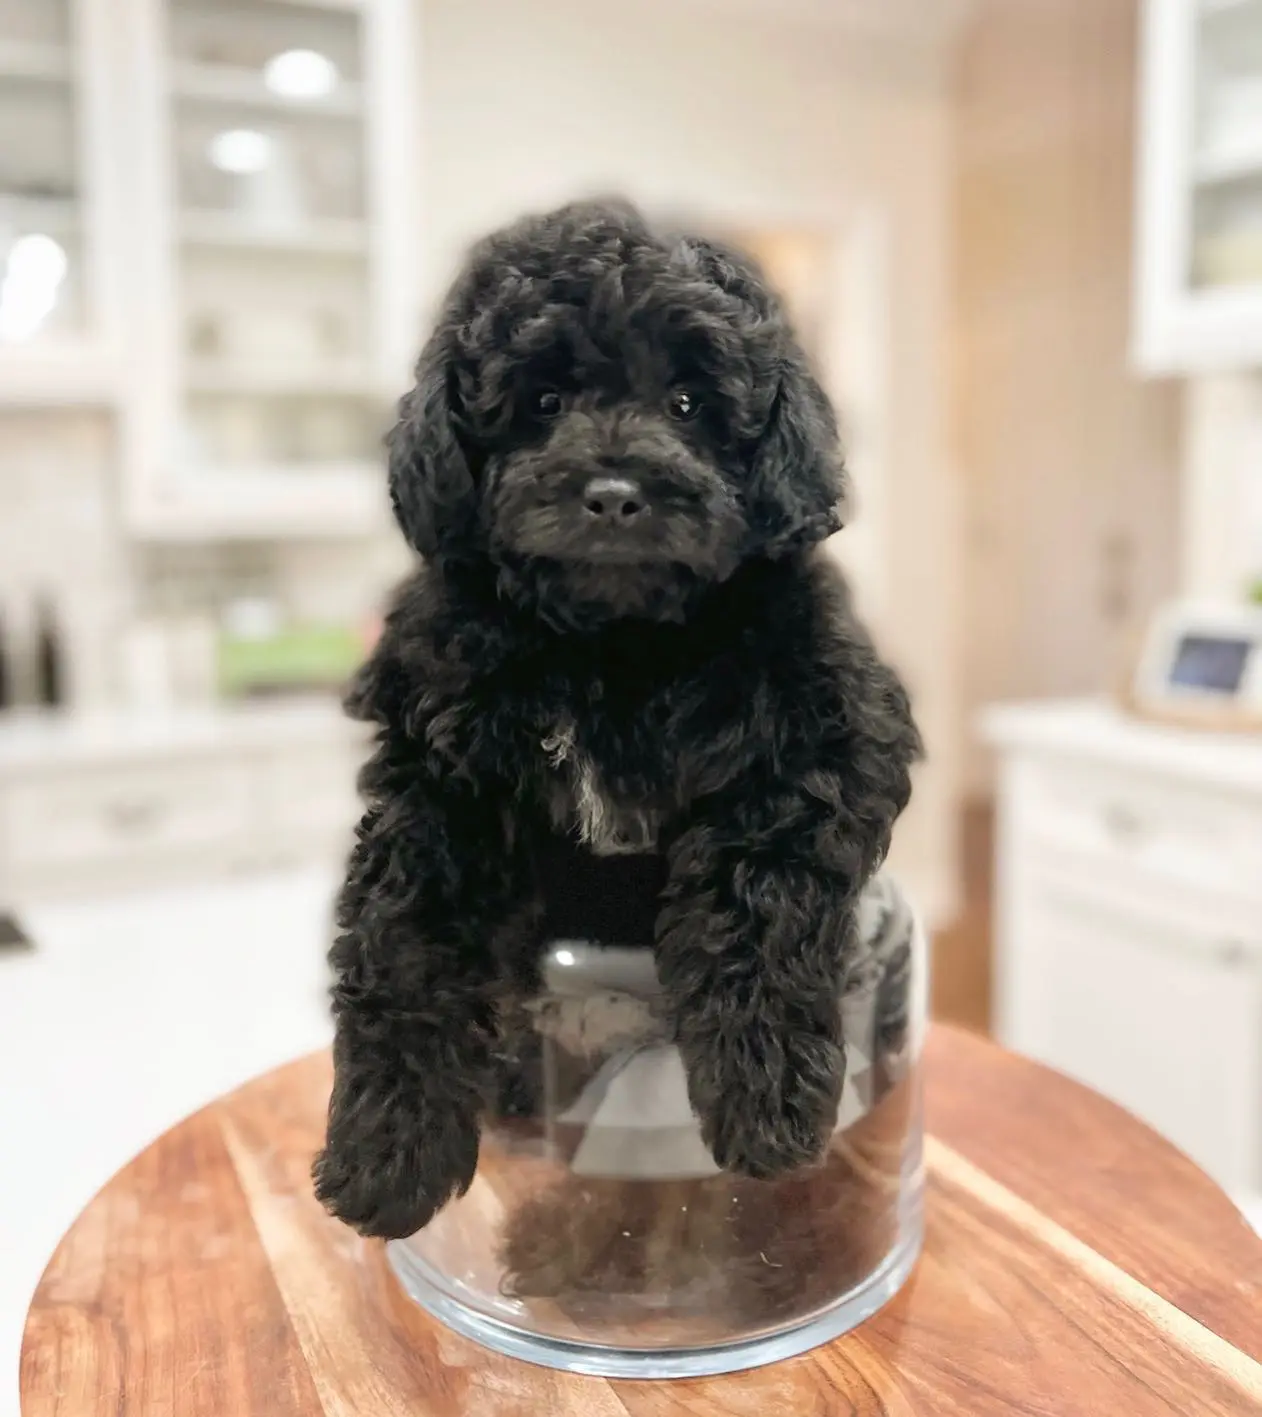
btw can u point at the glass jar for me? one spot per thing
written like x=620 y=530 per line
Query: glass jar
x=599 y=1236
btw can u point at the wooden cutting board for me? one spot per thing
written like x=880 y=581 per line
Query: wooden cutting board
x=1074 y=1264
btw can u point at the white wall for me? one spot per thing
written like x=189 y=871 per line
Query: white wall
x=692 y=108
x=1069 y=462
x=679 y=105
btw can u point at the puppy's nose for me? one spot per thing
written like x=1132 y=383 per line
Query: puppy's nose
x=614 y=500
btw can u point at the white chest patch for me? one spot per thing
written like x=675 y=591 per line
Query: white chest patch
x=582 y=803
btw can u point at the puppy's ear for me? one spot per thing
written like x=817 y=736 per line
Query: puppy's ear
x=798 y=486
x=431 y=488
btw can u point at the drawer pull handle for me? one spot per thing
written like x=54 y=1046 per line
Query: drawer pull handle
x=1232 y=953
x=1123 y=824
x=133 y=816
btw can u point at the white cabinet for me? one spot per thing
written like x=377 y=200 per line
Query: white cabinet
x=90 y=804
x=1198 y=291
x=1158 y=1012
x=277 y=181
x=209 y=218
x=61 y=63
x=97 y=817
x=1129 y=921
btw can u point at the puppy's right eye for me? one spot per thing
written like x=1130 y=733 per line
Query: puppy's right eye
x=547 y=403
x=683 y=405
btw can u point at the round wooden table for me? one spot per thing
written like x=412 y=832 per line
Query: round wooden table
x=1075 y=1264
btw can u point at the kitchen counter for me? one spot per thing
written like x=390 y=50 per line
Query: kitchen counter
x=130 y=1011
x=32 y=739
x=1097 y=730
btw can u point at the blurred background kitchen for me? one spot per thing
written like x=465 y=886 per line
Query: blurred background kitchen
x=1022 y=237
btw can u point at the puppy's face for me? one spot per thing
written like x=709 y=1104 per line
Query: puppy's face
x=613 y=420
x=620 y=460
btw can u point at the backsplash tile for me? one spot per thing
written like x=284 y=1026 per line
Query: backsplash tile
x=63 y=544
x=60 y=544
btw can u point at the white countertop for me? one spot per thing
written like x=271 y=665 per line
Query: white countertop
x=130 y=1013
x=33 y=739
x=1097 y=730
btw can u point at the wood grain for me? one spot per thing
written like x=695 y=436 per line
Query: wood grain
x=1074 y=1264
x=1094 y=1170
x=161 y=1292
x=961 y=972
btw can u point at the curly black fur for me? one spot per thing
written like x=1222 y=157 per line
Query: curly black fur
x=688 y=650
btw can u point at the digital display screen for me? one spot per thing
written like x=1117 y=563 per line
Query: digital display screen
x=1210 y=662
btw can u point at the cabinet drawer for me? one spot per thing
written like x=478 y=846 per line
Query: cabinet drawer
x=1160 y=1013
x=101 y=816
x=1203 y=837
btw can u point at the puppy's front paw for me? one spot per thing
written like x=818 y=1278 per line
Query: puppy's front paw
x=390 y=1166
x=761 y=1120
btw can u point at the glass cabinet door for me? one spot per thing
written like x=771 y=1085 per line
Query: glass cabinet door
x=1198 y=285
x=273 y=252
x=1226 y=160
x=42 y=214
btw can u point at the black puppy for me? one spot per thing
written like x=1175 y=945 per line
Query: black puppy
x=615 y=465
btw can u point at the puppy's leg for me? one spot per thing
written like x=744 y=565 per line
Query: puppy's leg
x=755 y=942
x=752 y=953
x=429 y=881
x=757 y=931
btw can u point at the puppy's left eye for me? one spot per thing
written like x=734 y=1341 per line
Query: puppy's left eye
x=547 y=403
x=683 y=404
